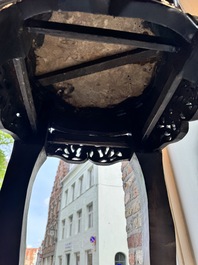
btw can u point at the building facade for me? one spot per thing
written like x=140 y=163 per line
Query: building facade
x=92 y=226
x=50 y=239
x=31 y=256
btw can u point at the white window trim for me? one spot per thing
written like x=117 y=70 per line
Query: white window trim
x=89 y=216
x=73 y=187
x=88 y=252
x=66 y=198
x=90 y=173
x=77 y=254
x=81 y=185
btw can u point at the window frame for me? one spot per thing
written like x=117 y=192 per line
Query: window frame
x=79 y=221
x=81 y=185
x=90 y=215
x=68 y=258
x=70 y=225
x=66 y=197
x=63 y=229
x=77 y=255
x=90 y=177
x=60 y=260
x=89 y=252
x=73 y=191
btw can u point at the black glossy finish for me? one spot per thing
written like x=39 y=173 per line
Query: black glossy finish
x=139 y=116
x=22 y=76
x=101 y=35
x=25 y=161
x=161 y=227
x=31 y=110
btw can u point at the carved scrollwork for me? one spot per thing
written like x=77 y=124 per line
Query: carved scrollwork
x=81 y=153
x=173 y=124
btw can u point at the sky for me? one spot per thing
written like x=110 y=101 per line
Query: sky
x=38 y=210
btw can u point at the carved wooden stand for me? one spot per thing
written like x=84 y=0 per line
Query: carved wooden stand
x=161 y=227
x=31 y=109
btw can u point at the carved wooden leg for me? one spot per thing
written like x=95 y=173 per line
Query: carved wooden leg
x=161 y=227
x=14 y=200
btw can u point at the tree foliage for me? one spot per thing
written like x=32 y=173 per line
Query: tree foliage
x=5 y=149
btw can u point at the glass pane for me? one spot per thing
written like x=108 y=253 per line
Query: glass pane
x=89 y=255
x=120 y=259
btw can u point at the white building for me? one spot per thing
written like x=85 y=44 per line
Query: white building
x=92 y=226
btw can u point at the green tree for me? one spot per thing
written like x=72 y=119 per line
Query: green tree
x=5 y=149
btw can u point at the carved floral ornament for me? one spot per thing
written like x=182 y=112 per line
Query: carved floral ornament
x=81 y=153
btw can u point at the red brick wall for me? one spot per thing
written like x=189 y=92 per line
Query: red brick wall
x=30 y=256
x=136 y=212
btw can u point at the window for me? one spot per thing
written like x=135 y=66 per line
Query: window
x=90 y=177
x=73 y=192
x=66 y=197
x=89 y=258
x=70 y=225
x=120 y=259
x=67 y=259
x=63 y=229
x=90 y=215
x=80 y=185
x=79 y=216
x=60 y=260
x=78 y=258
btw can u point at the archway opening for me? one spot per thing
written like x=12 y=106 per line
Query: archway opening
x=120 y=259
